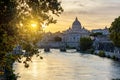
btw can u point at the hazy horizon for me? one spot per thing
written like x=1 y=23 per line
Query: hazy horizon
x=93 y=14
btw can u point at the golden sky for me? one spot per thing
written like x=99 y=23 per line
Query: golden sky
x=92 y=14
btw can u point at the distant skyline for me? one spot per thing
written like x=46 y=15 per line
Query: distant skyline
x=92 y=14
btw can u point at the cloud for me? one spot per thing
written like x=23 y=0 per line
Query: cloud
x=93 y=7
x=91 y=13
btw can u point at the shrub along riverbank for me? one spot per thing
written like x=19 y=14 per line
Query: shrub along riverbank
x=110 y=55
x=102 y=53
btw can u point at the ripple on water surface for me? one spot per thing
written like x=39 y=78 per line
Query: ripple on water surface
x=69 y=65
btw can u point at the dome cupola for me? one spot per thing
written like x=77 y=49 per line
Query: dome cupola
x=76 y=24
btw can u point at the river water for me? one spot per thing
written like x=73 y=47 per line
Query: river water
x=69 y=65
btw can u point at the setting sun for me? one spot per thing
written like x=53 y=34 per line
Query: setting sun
x=33 y=24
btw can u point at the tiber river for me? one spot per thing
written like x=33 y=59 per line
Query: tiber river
x=69 y=65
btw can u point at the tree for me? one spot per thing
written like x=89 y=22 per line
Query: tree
x=85 y=43
x=96 y=34
x=115 y=32
x=57 y=39
x=20 y=23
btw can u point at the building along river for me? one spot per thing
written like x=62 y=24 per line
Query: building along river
x=69 y=65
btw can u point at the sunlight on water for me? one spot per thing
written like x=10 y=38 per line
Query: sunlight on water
x=71 y=65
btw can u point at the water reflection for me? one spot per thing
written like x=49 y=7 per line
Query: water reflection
x=69 y=66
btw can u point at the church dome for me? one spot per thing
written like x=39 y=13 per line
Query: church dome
x=76 y=24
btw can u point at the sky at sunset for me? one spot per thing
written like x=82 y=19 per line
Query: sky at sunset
x=92 y=14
